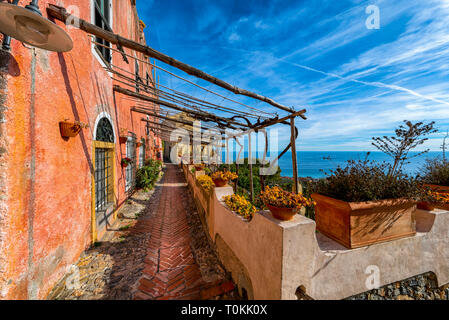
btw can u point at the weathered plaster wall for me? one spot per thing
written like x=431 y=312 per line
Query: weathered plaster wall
x=46 y=182
x=4 y=63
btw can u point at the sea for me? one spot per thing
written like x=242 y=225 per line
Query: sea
x=316 y=164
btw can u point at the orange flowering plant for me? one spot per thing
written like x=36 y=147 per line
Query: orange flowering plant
x=206 y=182
x=240 y=205
x=224 y=175
x=278 y=197
x=439 y=197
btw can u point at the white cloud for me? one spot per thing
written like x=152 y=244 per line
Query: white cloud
x=234 y=37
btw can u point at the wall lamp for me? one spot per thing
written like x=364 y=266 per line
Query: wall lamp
x=29 y=26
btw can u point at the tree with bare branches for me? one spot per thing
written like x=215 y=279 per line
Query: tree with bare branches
x=407 y=138
x=443 y=146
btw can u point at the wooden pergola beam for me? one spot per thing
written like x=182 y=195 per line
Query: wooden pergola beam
x=190 y=128
x=61 y=14
x=151 y=114
x=142 y=110
x=160 y=124
x=201 y=115
x=271 y=122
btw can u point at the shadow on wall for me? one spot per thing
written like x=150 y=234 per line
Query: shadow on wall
x=238 y=271
x=69 y=91
x=8 y=64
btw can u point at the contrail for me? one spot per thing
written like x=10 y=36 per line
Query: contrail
x=372 y=84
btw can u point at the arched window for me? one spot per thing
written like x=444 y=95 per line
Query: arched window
x=105 y=133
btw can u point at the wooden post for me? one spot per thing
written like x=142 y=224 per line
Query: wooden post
x=250 y=164
x=294 y=160
x=262 y=182
x=236 y=180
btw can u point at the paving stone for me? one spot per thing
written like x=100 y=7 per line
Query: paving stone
x=185 y=259
x=163 y=254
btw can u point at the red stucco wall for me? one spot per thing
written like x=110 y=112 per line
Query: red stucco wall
x=46 y=181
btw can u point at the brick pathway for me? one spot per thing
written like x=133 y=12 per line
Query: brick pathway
x=171 y=271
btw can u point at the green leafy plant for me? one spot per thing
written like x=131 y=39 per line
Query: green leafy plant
x=126 y=161
x=244 y=177
x=124 y=228
x=147 y=176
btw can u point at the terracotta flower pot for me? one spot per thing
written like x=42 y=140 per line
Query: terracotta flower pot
x=69 y=129
x=123 y=139
x=432 y=206
x=284 y=214
x=138 y=144
x=124 y=165
x=220 y=183
x=357 y=224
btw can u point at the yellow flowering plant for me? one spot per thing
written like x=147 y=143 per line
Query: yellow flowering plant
x=206 y=182
x=240 y=205
x=439 y=197
x=280 y=198
x=224 y=175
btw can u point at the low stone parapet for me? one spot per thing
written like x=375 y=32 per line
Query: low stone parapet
x=273 y=259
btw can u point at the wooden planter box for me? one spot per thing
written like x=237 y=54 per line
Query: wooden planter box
x=357 y=224
x=433 y=206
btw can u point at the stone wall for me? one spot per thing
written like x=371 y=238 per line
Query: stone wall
x=422 y=287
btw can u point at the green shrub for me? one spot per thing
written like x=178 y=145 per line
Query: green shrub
x=364 y=180
x=153 y=163
x=244 y=179
x=147 y=176
x=435 y=171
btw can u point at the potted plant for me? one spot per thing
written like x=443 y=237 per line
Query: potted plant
x=138 y=144
x=206 y=182
x=123 y=135
x=368 y=202
x=435 y=178
x=282 y=204
x=240 y=205
x=221 y=178
x=71 y=129
x=199 y=166
x=126 y=161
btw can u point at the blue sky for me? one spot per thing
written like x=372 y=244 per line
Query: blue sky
x=355 y=82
